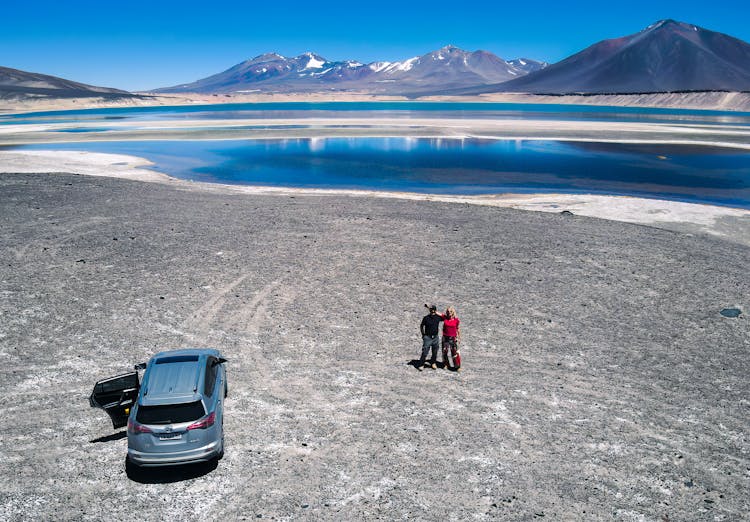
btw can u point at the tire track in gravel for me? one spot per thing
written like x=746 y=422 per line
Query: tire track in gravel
x=238 y=329
x=256 y=390
x=201 y=319
x=70 y=232
x=249 y=318
x=249 y=335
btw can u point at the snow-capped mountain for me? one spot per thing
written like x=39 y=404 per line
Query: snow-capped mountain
x=528 y=65
x=665 y=56
x=449 y=67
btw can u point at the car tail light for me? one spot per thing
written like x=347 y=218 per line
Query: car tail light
x=205 y=422
x=134 y=427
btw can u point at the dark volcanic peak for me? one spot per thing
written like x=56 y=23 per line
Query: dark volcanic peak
x=22 y=84
x=666 y=56
x=310 y=72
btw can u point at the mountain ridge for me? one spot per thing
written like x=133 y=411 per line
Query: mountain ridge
x=667 y=56
x=310 y=72
x=18 y=84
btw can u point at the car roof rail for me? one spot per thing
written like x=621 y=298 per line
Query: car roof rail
x=198 y=368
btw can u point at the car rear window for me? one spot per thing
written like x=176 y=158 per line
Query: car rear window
x=177 y=358
x=170 y=413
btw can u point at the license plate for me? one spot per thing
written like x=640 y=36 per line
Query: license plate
x=170 y=436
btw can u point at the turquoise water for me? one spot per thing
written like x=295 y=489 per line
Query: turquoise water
x=380 y=109
x=453 y=166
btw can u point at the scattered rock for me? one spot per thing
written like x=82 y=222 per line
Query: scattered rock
x=567 y=213
x=731 y=312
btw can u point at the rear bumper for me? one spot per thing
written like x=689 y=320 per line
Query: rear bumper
x=202 y=454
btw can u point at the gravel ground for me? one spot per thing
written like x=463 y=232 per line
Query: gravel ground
x=600 y=380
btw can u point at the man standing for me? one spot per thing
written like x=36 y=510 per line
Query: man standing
x=429 y=328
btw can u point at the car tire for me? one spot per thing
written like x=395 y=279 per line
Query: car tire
x=132 y=470
x=220 y=454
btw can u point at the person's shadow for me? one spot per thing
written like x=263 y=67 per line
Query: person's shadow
x=415 y=364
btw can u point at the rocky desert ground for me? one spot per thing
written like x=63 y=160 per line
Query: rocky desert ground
x=600 y=381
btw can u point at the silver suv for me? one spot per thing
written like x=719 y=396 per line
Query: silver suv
x=176 y=415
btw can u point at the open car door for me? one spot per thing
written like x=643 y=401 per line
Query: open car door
x=116 y=395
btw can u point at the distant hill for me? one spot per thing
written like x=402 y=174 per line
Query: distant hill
x=15 y=84
x=665 y=56
x=449 y=67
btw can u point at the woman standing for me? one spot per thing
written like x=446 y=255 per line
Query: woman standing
x=451 y=339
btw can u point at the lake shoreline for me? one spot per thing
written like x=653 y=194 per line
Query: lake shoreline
x=628 y=132
x=698 y=100
x=728 y=223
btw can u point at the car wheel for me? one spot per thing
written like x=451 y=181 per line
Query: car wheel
x=220 y=455
x=132 y=470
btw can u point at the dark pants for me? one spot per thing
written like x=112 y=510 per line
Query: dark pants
x=429 y=341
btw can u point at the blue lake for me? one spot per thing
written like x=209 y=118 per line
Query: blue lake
x=453 y=166
x=396 y=109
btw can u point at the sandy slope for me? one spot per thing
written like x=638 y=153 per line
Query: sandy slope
x=600 y=380
x=713 y=100
x=724 y=101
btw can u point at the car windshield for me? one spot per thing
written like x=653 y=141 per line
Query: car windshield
x=170 y=413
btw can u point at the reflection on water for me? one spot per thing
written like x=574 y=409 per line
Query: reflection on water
x=454 y=166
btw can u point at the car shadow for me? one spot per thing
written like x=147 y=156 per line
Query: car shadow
x=109 y=438
x=168 y=474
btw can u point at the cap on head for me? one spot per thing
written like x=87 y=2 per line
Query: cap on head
x=433 y=308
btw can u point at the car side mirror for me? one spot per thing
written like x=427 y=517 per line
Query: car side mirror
x=220 y=360
x=140 y=366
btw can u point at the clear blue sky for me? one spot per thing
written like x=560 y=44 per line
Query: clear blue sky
x=141 y=45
